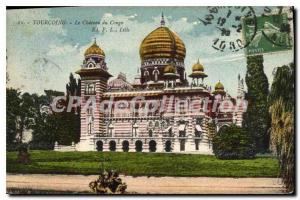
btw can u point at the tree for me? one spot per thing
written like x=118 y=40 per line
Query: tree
x=13 y=101
x=256 y=119
x=45 y=126
x=73 y=88
x=211 y=126
x=282 y=99
x=283 y=86
x=283 y=140
x=27 y=113
x=233 y=142
x=20 y=114
x=67 y=124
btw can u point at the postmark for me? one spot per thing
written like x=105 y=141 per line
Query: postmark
x=228 y=21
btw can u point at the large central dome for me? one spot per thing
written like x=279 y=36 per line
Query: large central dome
x=159 y=49
x=162 y=43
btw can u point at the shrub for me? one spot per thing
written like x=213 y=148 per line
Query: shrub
x=108 y=182
x=233 y=142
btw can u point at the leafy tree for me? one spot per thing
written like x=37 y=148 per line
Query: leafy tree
x=283 y=140
x=283 y=86
x=256 y=119
x=24 y=111
x=73 y=88
x=20 y=114
x=211 y=126
x=233 y=142
x=45 y=126
x=282 y=99
x=27 y=113
x=13 y=101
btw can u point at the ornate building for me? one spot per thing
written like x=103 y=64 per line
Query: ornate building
x=125 y=116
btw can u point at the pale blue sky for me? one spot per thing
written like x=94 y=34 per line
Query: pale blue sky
x=42 y=56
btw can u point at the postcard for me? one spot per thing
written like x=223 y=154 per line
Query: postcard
x=150 y=100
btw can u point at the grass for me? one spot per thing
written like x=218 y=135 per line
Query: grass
x=141 y=164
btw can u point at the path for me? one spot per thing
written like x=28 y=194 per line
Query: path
x=152 y=185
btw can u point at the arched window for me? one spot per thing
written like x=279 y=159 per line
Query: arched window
x=139 y=146
x=90 y=88
x=150 y=133
x=182 y=145
x=168 y=147
x=90 y=128
x=156 y=124
x=99 y=145
x=125 y=146
x=152 y=146
x=112 y=145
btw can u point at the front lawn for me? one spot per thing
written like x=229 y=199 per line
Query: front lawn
x=141 y=164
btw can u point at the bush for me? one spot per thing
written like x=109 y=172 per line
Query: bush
x=233 y=142
x=108 y=182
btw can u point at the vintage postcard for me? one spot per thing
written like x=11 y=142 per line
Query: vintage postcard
x=150 y=100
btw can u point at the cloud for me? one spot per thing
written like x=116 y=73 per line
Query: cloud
x=54 y=49
x=36 y=52
x=41 y=57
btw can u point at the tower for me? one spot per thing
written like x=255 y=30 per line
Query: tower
x=219 y=90
x=170 y=77
x=240 y=92
x=198 y=73
x=239 y=110
x=159 y=49
x=94 y=77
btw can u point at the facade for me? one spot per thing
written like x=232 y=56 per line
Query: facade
x=160 y=111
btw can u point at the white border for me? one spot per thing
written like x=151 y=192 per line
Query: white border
x=5 y=3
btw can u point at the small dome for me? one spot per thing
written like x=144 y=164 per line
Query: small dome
x=219 y=86
x=94 y=50
x=170 y=69
x=197 y=67
x=219 y=89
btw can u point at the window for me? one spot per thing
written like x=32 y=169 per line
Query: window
x=163 y=124
x=170 y=132
x=182 y=108
x=90 y=128
x=90 y=110
x=90 y=88
x=156 y=124
x=199 y=121
x=182 y=145
x=150 y=133
x=197 y=144
x=150 y=124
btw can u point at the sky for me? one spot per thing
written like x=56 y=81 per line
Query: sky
x=41 y=57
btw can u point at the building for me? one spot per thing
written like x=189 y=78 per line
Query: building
x=125 y=116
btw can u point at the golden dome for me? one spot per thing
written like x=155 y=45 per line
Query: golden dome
x=170 y=69
x=94 y=50
x=162 y=43
x=219 y=86
x=197 y=67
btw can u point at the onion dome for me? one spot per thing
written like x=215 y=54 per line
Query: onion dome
x=170 y=72
x=162 y=43
x=219 y=89
x=219 y=86
x=169 y=69
x=94 y=50
x=197 y=67
x=198 y=71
